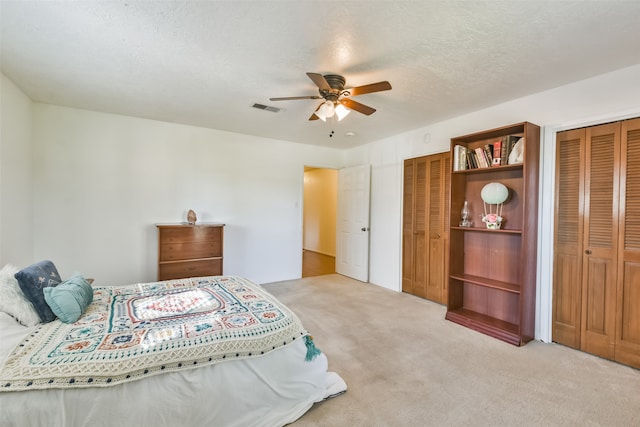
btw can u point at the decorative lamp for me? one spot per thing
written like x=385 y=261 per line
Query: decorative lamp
x=493 y=193
x=464 y=215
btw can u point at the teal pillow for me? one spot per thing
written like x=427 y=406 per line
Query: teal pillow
x=70 y=298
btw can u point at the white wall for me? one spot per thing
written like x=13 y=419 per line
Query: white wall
x=102 y=182
x=16 y=203
x=604 y=98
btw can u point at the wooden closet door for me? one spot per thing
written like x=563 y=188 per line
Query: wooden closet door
x=425 y=226
x=407 y=226
x=415 y=255
x=438 y=167
x=567 y=270
x=627 y=345
x=599 y=264
x=419 y=229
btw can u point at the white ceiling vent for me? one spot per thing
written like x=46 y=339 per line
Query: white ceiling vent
x=266 y=107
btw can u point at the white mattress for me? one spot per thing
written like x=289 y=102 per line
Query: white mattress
x=271 y=390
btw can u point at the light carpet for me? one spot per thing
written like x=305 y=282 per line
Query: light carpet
x=405 y=365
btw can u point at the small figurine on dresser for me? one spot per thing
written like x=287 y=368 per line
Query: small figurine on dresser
x=191 y=217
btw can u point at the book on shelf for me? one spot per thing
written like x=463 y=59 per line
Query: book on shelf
x=477 y=153
x=497 y=155
x=471 y=159
x=482 y=157
x=459 y=158
x=455 y=165
x=488 y=150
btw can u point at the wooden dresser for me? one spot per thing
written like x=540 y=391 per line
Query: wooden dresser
x=186 y=250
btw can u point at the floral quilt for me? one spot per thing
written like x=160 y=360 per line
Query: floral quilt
x=134 y=331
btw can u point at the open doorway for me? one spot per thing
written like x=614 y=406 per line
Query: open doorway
x=319 y=221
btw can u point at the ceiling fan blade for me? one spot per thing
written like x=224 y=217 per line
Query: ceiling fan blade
x=290 y=98
x=319 y=80
x=313 y=115
x=373 y=87
x=360 y=108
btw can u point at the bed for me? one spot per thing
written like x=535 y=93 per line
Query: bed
x=217 y=351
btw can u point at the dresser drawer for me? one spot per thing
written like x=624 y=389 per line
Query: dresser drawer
x=180 y=270
x=190 y=234
x=193 y=250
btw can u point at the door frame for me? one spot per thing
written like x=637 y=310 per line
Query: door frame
x=301 y=205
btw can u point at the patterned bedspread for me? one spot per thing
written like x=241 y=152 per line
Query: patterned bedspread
x=134 y=331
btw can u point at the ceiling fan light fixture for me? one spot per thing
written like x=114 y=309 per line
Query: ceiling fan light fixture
x=326 y=110
x=341 y=111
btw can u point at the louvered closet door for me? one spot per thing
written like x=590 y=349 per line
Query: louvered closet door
x=414 y=246
x=425 y=226
x=407 y=226
x=567 y=271
x=627 y=346
x=419 y=229
x=438 y=167
x=599 y=264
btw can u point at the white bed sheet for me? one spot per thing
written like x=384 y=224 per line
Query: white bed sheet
x=270 y=390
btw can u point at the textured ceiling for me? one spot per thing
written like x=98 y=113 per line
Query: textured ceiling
x=205 y=63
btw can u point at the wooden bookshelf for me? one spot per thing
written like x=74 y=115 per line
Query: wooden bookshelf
x=492 y=273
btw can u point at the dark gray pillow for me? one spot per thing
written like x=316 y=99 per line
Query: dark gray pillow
x=32 y=280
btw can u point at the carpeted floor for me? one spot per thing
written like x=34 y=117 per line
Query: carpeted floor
x=407 y=366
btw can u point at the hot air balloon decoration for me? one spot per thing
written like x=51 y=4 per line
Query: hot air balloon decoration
x=494 y=194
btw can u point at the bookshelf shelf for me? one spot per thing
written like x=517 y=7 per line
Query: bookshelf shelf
x=492 y=278
x=486 y=230
x=488 y=325
x=489 y=169
x=486 y=282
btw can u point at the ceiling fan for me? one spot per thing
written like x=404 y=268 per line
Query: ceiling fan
x=336 y=97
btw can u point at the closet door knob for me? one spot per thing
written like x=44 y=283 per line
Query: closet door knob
x=588 y=252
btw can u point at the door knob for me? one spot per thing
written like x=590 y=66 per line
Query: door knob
x=364 y=229
x=588 y=252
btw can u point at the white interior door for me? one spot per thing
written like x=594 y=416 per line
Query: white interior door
x=352 y=239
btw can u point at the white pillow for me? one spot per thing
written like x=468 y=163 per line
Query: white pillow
x=12 y=300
